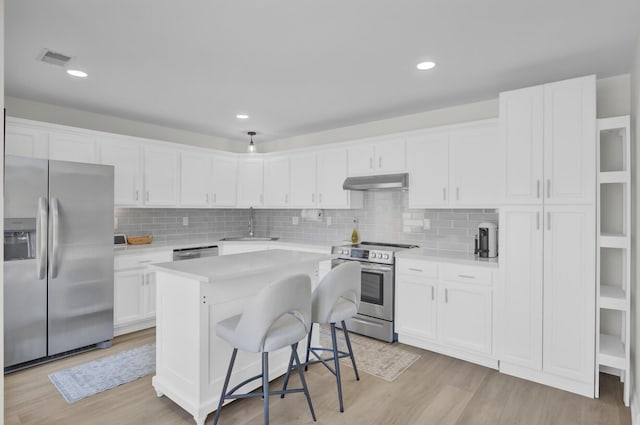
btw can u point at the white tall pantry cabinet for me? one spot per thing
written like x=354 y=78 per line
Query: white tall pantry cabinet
x=546 y=299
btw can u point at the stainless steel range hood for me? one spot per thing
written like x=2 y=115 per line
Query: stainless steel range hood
x=382 y=182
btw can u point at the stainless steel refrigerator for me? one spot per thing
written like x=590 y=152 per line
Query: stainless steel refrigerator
x=58 y=258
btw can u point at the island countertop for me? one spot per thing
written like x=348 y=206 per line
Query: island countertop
x=213 y=269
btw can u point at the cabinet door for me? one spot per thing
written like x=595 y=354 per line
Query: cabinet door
x=25 y=141
x=160 y=176
x=332 y=171
x=224 y=181
x=276 y=182
x=521 y=134
x=128 y=292
x=416 y=308
x=390 y=157
x=569 y=292
x=72 y=147
x=195 y=181
x=125 y=156
x=149 y=300
x=360 y=159
x=464 y=316
x=570 y=141
x=519 y=297
x=303 y=181
x=250 y=183
x=475 y=168
x=428 y=166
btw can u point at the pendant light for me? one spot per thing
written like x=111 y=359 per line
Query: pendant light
x=251 y=148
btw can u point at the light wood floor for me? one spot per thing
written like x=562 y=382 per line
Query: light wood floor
x=434 y=390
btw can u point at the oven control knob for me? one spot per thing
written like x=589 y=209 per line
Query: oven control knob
x=385 y=256
x=344 y=251
x=372 y=255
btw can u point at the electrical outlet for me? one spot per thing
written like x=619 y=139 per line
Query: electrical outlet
x=427 y=224
x=295 y=220
x=185 y=221
x=329 y=221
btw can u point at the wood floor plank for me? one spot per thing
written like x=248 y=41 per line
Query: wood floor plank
x=436 y=390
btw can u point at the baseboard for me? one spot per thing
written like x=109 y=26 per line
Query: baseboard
x=566 y=384
x=481 y=359
x=133 y=327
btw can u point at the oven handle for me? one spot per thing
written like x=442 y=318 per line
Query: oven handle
x=366 y=322
x=366 y=266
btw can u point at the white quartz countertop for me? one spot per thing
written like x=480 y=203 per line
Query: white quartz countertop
x=447 y=257
x=212 y=269
x=180 y=244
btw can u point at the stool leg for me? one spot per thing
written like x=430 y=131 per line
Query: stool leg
x=265 y=386
x=224 y=387
x=353 y=360
x=286 y=377
x=294 y=353
x=336 y=360
x=306 y=362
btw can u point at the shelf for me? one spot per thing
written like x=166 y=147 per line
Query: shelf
x=610 y=240
x=614 y=177
x=612 y=297
x=612 y=352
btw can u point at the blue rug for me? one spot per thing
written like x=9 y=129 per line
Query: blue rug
x=99 y=375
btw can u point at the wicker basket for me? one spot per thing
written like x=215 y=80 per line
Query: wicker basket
x=139 y=240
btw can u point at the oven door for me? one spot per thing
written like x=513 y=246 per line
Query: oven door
x=376 y=298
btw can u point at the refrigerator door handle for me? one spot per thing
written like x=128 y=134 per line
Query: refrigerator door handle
x=42 y=221
x=55 y=237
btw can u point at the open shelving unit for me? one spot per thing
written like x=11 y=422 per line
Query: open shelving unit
x=613 y=309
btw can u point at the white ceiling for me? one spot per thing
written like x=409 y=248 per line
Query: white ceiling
x=301 y=66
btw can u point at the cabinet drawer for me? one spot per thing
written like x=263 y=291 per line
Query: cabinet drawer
x=420 y=268
x=124 y=262
x=466 y=274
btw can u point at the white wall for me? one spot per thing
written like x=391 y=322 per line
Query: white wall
x=38 y=111
x=635 y=293
x=2 y=210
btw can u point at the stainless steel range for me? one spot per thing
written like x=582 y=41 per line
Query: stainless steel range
x=376 y=313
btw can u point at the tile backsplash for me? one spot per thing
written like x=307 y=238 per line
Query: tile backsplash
x=385 y=217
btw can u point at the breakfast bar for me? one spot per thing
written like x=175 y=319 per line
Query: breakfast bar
x=192 y=296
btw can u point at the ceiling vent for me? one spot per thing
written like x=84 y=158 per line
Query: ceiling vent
x=54 y=58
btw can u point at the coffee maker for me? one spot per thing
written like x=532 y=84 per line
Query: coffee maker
x=487 y=240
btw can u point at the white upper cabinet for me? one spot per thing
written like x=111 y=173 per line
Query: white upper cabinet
x=382 y=157
x=570 y=141
x=428 y=167
x=72 y=147
x=125 y=156
x=224 y=181
x=521 y=134
x=332 y=171
x=160 y=176
x=276 y=182
x=548 y=138
x=460 y=167
x=250 y=179
x=195 y=179
x=26 y=141
x=303 y=181
x=475 y=166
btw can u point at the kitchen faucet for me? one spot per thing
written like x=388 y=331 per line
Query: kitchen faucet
x=251 y=221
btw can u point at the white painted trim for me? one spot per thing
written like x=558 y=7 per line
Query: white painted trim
x=481 y=359
x=134 y=327
x=581 y=388
x=635 y=408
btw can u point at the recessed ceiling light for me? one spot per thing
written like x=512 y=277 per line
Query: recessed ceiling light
x=242 y=116
x=77 y=73
x=423 y=66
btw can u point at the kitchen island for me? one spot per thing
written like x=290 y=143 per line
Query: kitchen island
x=192 y=296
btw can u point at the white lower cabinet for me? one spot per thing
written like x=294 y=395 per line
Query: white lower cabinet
x=464 y=316
x=135 y=291
x=446 y=308
x=545 y=302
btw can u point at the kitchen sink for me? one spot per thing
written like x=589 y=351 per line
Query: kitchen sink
x=250 y=239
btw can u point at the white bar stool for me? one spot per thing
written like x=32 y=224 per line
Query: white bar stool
x=336 y=299
x=279 y=315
